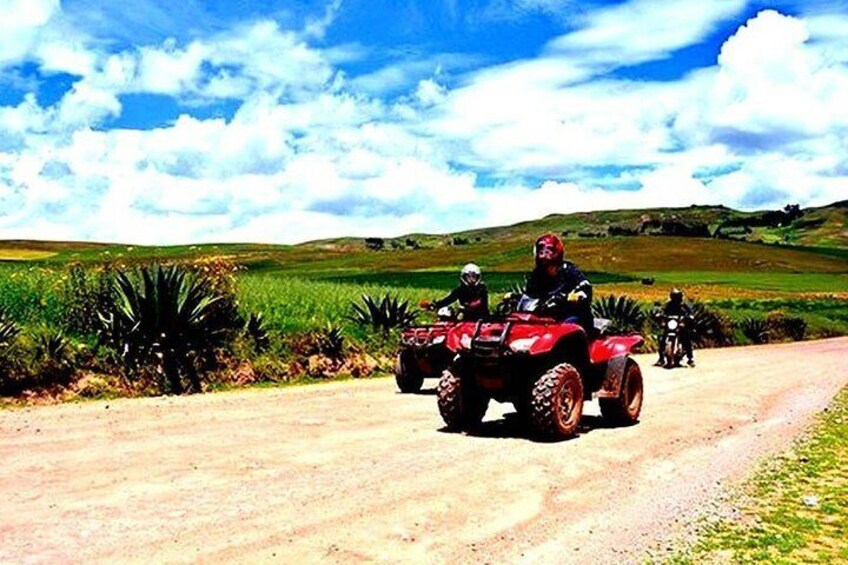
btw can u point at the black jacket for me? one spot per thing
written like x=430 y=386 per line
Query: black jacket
x=568 y=279
x=473 y=299
x=679 y=309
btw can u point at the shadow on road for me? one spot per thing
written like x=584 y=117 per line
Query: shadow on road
x=422 y=392
x=511 y=426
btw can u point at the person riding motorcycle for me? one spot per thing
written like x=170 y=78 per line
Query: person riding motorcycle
x=561 y=287
x=676 y=307
x=472 y=294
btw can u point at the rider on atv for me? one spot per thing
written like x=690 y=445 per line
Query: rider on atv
x=472 y=294
x=676 y=307
x=565 y=291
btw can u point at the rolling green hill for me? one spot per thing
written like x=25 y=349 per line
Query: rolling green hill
x=630 y=242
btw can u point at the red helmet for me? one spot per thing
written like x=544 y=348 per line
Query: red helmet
x=549 y=250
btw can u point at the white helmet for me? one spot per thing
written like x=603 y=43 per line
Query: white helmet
x=470 y=275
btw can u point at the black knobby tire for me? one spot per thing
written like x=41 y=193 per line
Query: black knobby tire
x=625 y=409
x=407 y=374
x=671 y=354
x=461 y=405
x=556 y=404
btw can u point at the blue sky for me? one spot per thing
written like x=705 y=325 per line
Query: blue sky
x=254 y=120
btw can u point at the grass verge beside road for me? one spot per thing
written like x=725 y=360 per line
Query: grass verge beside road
x=794 y=510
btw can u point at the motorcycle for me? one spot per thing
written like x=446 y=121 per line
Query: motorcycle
x=674 y=327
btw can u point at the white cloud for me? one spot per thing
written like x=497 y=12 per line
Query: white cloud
x=310 y=154
x=642 y=30
x=21 y=23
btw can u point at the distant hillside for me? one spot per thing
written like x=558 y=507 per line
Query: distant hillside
x=698 y=238
x=811 y=227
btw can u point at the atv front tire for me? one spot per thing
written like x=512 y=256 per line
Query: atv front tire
x=625 y=409
x=407 y=374
x=556 y=404
x=462 y=406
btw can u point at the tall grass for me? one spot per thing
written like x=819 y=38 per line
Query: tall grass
x=32 y=295
x=294 y=305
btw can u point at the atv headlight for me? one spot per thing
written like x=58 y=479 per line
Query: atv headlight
x=438 y=339
x=524 y=344
x=672 y=324
x=465 y=341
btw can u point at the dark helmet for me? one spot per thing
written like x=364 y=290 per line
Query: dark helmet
x=470 y=275
x=676 y=296
x=549 y=250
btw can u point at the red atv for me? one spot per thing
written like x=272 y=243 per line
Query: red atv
x=546 y=368
x=423 y=351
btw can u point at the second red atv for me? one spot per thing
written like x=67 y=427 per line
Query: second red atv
x=545 y=368
x=424 y=353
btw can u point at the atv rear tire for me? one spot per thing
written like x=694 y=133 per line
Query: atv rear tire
x=556 y=404
x=461 y=405
x=625 y=409
x=407 y=374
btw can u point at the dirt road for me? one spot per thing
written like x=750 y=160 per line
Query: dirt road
x=356 y=472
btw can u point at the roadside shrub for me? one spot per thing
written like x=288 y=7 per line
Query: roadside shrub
x=755 y=329
x=255 y=330
x=710 y=328
x=171 y=322
x=53 y=363
x=332 y=342
x=623 y=312
x=382 y=314
x=39 y=362
x=328 y=342
x=782 y=326
x=85 y=293
x=9 y=330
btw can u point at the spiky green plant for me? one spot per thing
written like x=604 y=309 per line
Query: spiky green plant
x=623 y=312
x=8 y=328
x=169 y=321
x=8 y=332
x=754 y=329
x=51 y=346
x=710 y=328
x=331 y=342
x=383 y=314
x=52 y=361
x=258 y=334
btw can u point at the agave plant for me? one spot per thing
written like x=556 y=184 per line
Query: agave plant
x=623 y=312
x=8 y=332
x=331 y=343
x=385 y=314
x=169 y=321
x=709 y=327
x=51 y=346
x=255 y=329
x=52 y=359
x=754 y=329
